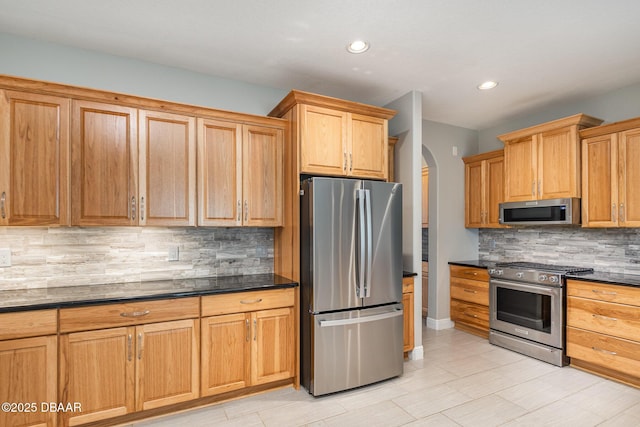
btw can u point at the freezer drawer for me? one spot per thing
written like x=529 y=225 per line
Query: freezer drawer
x=355 y=348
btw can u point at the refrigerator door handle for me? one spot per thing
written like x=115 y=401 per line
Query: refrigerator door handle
x=369 y=264
x=361 y=284
x=356 y=320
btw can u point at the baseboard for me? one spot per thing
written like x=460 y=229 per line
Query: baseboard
x=439 y=324
x=417 y=353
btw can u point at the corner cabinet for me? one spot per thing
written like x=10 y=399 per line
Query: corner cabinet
x=240 y=174
x=126 y=172
x=484 y=189
x=337 y=137
x=34 y=153
x=470 y=299
x=543 y=161
x=610 y=175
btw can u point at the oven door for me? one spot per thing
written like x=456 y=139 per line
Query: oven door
x=528 y=311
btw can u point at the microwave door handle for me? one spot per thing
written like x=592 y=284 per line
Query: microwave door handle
x=369 y=264
x=360 y=286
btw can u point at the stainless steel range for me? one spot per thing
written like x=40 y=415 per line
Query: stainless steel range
x=527 y=309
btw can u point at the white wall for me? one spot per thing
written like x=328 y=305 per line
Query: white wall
x=27 y=58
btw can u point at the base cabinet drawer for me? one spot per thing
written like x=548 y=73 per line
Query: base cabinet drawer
x=472 y=291
x=619 y=320
x=615 y=354
x=475 y=315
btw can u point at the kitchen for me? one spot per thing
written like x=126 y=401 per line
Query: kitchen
x=134 y=256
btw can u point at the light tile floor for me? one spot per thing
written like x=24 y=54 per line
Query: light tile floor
x=462 y=381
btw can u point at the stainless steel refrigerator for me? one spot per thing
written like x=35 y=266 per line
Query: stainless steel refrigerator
x=351 y=283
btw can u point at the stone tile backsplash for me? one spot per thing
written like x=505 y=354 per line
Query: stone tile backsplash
x=613 y=250
x=50 y=257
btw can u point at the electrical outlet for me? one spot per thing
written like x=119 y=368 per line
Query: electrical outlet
x=5 y=257
x=174 y=253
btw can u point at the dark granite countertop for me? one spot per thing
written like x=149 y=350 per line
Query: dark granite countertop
x=74 y=296
x=608 y=278
x=408 y=274
x=474 y=263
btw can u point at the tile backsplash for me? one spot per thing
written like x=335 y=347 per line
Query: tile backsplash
x=50 y=257
x=613 y=250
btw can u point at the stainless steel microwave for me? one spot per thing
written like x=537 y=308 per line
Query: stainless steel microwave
x=541 y=212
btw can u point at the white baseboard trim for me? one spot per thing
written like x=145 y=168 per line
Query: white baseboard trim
x=417 y=353
x=439 y=324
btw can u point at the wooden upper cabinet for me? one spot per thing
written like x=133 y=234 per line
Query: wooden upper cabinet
x=337 y=137
x=484 y=189
x=610 y=175
x=240 y=174
x=425 y=197
x=34 y=153
x=543 y=161
x=104 y=156
x=167 y=169
x=262 y=185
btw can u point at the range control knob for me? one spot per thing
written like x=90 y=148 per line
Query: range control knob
x=542 y=278
x=492 y=271
x=554 y=279
x=499 y=272
x=519 y=274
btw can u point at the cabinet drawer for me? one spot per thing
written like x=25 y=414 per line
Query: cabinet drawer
x=470 y=291
x=471 y=314
x=613 y=353
x=619 y=320
x=598 y=291
x=473 y=273
x=126 y=314
x=239 y=302
x=24 y=324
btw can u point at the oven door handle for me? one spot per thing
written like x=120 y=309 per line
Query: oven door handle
x=539 y=289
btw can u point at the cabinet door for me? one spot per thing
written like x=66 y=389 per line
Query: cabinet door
x=558 y=164
x=225 y=353
x=167 y=169
x=262 y=187
x=494 y=191
x=104 y=169
x=28 y=369
x=324 y=139
x=272 y=345
x=168 y=358
x=34 y=153
x=629 y=195
x=219 y=173
x=407 y=303
x=474 y=194
x=425 y=197
x=520 y=169
x=368 y=152
x=96 y=368
x=600 y=181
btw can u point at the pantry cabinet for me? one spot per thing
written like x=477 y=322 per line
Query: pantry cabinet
x=28 y=367
x=543 y=161
x=34 y=153
x=611 y=175
x=484 y=189
x=470 y=299
x=247 y=339
x=240 y=174
x=603 y=327
x=136 y=356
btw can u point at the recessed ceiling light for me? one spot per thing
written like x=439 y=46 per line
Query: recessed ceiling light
x=487 y=85
x=358 y=46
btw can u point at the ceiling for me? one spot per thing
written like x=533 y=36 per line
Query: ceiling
x=542 y=52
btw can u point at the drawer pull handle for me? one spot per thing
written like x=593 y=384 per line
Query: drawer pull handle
x=475 y=316
x=598 y=291
x=471 y=273
x=135 y=313
x=612 y=353
x=254 y=301
x=471 y=291
x=599 y=316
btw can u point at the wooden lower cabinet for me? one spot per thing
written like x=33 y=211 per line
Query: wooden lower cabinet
x=28 y=377
x=407 y=302
x=249 y=348
x=116 y=371
x=470 y=299
x=603 y=329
